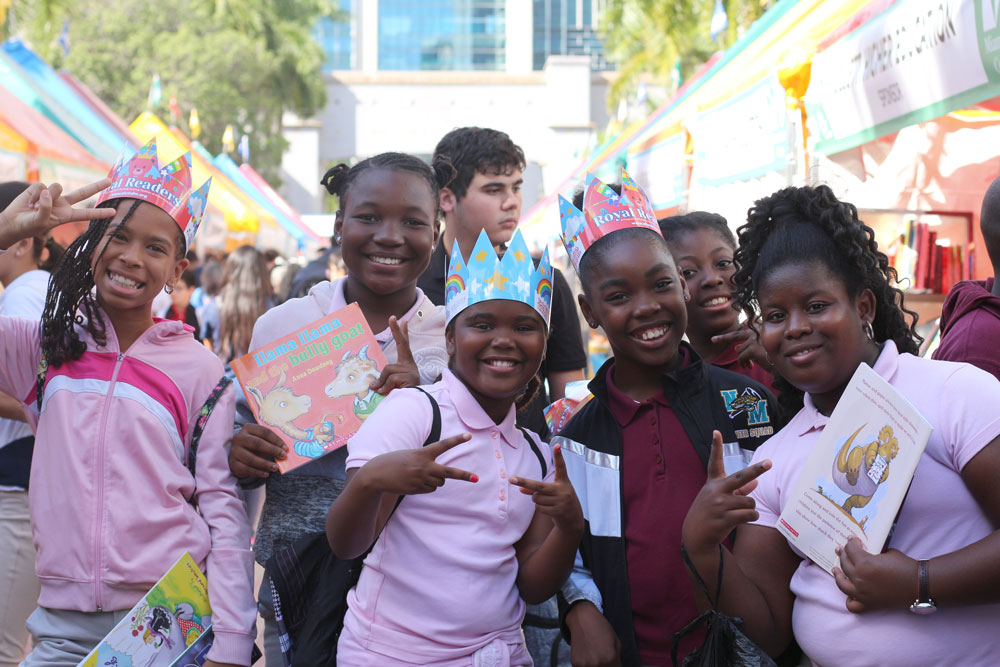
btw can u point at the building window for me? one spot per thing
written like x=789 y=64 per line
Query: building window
x=441 y=35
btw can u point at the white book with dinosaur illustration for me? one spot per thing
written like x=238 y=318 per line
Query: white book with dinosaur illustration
x=857 y=475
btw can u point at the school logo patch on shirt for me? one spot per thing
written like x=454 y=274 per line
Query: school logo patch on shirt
x=754 y=406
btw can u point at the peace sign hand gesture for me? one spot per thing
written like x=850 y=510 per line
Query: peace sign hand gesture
x=403 y=373
x=722 y=504
x=39 y=209
x=410 y=471
x=557 y=498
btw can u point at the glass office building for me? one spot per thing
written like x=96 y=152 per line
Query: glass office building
x=441 y=34
x=458 y=35
x=567 y=28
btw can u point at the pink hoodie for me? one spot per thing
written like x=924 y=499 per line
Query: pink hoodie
x=970 y=326
x=109 y=488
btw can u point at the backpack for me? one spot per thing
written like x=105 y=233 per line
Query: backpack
x=309 y=583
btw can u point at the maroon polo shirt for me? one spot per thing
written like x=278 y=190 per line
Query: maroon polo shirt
x=730 y=360
x=662 y=475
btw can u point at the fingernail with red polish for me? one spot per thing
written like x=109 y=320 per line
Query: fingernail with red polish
x=474 y=478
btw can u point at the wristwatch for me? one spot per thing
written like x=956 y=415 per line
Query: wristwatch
x=923 y=605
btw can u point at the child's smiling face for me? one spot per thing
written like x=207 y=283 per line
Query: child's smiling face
x=387 y=224
x=636 y=295
x=132 y=263
x=496 y=347
x=705 y=261
x=813 y=330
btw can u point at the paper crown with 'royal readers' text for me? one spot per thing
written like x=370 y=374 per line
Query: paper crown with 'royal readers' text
x=485 y=277
x=604 y=212
x=169 y=187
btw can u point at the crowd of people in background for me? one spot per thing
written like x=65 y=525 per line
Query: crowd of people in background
x=483 y=544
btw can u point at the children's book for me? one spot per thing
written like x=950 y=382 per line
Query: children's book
x=311 y=387
x=857 y=475
x=162 y=625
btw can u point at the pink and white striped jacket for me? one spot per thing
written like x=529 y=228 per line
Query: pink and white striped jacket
x=109 y=490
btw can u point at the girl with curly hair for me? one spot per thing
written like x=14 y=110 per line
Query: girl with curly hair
x=827 y=302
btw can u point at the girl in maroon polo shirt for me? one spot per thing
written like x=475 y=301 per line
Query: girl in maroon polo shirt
x=703 y=245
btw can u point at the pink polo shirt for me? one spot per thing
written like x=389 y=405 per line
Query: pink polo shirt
x=939 y=516
x=440 y=582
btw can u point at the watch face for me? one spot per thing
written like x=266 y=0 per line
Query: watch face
x=923 y=608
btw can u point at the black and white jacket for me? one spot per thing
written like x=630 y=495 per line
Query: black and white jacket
x=705 y=398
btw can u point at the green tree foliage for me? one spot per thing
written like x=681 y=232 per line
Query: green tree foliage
x=243 y=62
x=649 y=39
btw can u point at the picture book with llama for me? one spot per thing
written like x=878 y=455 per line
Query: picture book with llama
x=855 y=478
x=162 y=625
x=311 y=387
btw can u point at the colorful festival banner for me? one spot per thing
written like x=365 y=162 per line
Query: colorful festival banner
x=660 y=171
x=916 y=61
x=742 y=138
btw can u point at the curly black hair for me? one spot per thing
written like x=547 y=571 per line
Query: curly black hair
x=478 y=149
x=809 y=224
x=440 y=173
x=675 y=226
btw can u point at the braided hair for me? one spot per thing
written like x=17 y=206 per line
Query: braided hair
x=809 y=224
x=338 y=179
x=71 y=300
x=676 y=226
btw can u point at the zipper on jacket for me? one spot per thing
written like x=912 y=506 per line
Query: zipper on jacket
x=100 y=481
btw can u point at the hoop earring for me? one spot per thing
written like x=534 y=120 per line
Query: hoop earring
x=169 y=289
x=869 y=330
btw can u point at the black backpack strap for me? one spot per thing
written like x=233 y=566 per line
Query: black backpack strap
x=435 y=433
x=536 y=450
x=199 y=425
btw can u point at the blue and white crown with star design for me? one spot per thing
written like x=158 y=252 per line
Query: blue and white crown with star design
x=485 y=277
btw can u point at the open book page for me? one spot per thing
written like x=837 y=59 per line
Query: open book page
x=857 y=475
x=311 y=387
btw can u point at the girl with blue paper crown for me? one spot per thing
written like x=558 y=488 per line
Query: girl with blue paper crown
x=637 y=452
x=114 y=395
x=464 y=543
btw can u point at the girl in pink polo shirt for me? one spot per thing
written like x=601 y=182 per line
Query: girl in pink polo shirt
x=452 y=567
x=827 y=301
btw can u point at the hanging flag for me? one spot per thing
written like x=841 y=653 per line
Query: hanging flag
x=64 y=38
x=194 y=124
x=155 y=93
x=720 y=21
x=245 y=148
x=175 y=111
x=228 y=142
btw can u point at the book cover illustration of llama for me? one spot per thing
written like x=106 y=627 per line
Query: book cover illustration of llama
x=162 y=625
x=311 y=387
x=857 y=475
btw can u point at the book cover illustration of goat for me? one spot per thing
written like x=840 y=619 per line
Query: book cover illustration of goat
x=311 y=387
x=160 y=627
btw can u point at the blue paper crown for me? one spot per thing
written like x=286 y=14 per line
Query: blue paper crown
x=485 y=277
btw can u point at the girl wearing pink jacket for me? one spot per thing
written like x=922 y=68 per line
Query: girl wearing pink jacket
x=113 y=504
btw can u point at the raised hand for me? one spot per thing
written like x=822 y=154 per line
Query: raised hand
x=254 y=451
x=875 y=581
x=403 y=373
x=557 y=498
x=722 y=504
x=410 y=471
x=39 y=209
x=749 y=351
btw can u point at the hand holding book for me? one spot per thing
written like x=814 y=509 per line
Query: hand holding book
x=874 y=581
